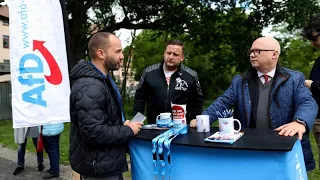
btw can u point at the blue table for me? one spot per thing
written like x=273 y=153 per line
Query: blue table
x=259 y=154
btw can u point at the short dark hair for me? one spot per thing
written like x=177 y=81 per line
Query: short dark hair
x=313 y=26
x=176 y=42
x=99 y=40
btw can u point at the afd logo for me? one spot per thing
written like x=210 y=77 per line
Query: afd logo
x=32 y=75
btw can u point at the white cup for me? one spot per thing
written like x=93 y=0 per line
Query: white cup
x=164 y=116
x=226 y=125
x=203 y=123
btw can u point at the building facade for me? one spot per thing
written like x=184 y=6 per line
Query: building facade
x=5 y=85
x=4 y=41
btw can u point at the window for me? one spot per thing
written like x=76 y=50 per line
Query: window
x=5 y=41
x=5 y=22
x=6 y=61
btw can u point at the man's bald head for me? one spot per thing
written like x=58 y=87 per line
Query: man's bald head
x=269 y=43
x=264 y=54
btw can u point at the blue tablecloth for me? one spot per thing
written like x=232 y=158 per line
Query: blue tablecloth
x=202 y=163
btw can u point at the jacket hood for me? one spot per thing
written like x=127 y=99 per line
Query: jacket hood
x=83 y=69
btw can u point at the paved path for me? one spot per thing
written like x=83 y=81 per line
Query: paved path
x=8 y=159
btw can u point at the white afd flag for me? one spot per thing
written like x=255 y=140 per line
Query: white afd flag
x=39 y=68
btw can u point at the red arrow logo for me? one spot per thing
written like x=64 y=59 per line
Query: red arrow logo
x=56 y=77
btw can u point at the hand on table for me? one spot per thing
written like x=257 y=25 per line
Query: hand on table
x=308 y=83
x=193 y=123
x=291 y=129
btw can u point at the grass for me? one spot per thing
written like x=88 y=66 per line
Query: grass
x=315 y=174
x=7 y=139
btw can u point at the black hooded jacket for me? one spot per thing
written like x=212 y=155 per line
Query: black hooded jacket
x=184 y=88
x=97 y=135
x=315 y=86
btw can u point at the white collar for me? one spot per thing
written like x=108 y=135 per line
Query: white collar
x=270 y=74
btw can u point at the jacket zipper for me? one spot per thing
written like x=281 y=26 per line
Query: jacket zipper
x=168 y=89
x=244 y=104
x=276 y=101
x=94 y=163
x=166 y=102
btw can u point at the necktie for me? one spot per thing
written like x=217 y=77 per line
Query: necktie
x=266 y=77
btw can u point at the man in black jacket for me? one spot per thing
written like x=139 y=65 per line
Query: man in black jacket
x=99 y=132
x=312 y=32
x=169 y=82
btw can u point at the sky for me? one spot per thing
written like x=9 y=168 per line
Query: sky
x=125 y=34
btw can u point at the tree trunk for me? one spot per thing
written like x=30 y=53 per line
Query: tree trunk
x=76 y=46
x=127 y=62
x=77 y=31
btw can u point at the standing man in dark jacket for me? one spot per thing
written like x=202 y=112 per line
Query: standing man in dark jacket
x=169 y=82
x=98 y=131
x=312 y=32
x=269 y=96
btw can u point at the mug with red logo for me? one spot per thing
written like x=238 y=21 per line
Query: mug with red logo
x=179 y=114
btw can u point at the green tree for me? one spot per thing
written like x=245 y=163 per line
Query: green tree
x=148 y=49
x=215 y=47
x=298 y=54
x=181 y=16
x=137 y=14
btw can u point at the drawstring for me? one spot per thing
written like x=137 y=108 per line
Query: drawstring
x=154 y=153
x=165 y=140
x=167 y=146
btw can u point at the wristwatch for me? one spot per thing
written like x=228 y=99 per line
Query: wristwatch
x=300 y=122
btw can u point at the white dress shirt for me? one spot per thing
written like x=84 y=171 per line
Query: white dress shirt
x=270 y=74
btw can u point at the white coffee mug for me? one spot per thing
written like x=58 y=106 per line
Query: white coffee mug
x=164 y=116
x=226 y=125
x=203 y=123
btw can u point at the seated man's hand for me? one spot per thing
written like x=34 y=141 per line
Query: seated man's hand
x=291 y=129
x=193 y=123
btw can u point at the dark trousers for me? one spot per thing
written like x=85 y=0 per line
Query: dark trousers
x=116 y=177
x=51 y=145
x=22 y=152
x=317 y=138
x=316 y=134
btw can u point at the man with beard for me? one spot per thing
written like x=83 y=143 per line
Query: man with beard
x=169 y=82
x=99 y=132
